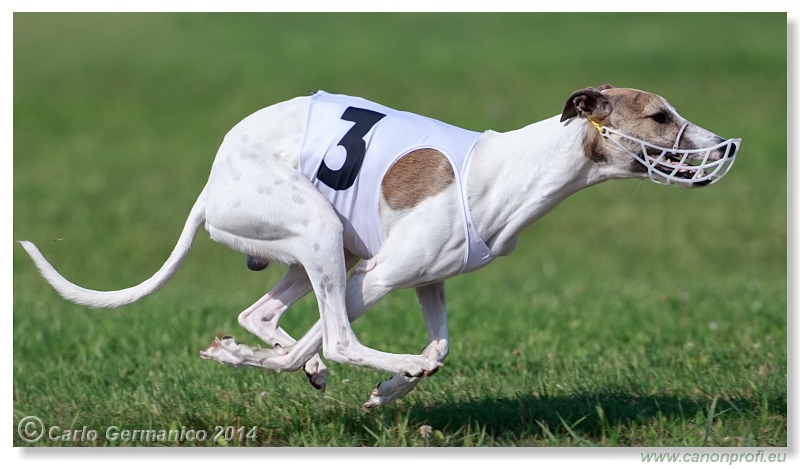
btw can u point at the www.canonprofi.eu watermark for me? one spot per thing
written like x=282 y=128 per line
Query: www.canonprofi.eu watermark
x=725 y=457
x=32 y=429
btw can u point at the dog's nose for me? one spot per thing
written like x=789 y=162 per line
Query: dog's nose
x=724 y=150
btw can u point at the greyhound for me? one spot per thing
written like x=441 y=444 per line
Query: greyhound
x=329 y=184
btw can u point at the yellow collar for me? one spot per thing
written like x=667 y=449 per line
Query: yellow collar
x=596 y=125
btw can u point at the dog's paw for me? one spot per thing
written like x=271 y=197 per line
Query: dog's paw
x=317 y=373
x=377 y=398
x=424 y=366
x=388 y=391
x=226 y=350
x=222 y=350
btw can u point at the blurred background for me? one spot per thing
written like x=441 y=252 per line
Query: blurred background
x=117 y=118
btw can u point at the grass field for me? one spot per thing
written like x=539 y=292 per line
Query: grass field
x=633 y=315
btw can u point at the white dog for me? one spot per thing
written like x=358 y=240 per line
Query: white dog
x=326 y=183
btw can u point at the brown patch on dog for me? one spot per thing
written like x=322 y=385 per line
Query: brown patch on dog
x=416 y=176
x=632 y=111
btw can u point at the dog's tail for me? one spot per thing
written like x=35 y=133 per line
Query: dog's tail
x=113 y=299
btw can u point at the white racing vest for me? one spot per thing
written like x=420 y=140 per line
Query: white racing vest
x=348 y=146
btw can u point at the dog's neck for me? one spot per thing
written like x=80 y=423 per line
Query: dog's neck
x=516 y=177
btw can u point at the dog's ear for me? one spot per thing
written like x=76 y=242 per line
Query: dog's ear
x=588 y=101
x=604 y=87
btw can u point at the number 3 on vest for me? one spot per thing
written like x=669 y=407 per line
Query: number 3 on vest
x=353 y=142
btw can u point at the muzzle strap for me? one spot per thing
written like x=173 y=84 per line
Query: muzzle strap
x=680 y=134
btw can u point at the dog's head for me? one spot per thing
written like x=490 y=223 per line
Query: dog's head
x=633 y=133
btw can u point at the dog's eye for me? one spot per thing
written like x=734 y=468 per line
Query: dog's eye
x=661 y=117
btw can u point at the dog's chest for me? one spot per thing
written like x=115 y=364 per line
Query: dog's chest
x=350 y=143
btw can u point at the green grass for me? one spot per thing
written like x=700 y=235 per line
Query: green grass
x=633 y=315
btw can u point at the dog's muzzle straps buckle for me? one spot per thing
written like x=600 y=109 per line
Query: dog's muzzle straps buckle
x=673 y=166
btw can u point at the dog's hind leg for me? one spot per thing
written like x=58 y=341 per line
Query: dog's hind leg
x=264 y=208
x=262 y=318
x=434 y=310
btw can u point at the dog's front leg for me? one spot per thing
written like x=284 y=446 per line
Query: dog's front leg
x=364 y=288
x=434 y=310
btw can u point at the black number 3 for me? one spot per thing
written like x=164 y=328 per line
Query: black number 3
x=353 y=142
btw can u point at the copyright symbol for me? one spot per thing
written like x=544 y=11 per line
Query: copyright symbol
x=30 y=429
